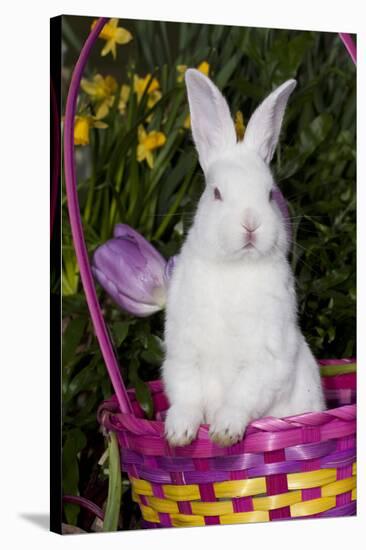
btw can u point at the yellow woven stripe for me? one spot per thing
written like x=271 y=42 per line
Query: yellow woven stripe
x=305 y=508
x=185 y=520
x=244 y=517
x=354 y=468
x=307 y=480
x=339 y=487
x=212 y=508
x=149 y=514
x=276 y=501
x=182 y=492
x=354 y=494
x=224 y=489
x=240 y=488
x=163 y=505
x=315 y=506
x=141 y=487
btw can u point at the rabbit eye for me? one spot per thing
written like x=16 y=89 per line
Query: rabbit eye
x=270 y=196
x=217 y=194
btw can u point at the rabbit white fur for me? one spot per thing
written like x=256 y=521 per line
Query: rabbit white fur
x=234 y=350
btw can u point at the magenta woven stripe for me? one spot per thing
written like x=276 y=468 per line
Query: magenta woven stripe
x=241 y=504
x=160 y=476
x=342 y=473
x=185 y=507
x=207 y=494
x=277 y=484
x=348 y=361
x=163 y=517
x=338 y=511
x=341 y=381
x=308 y=466
x=203 y=447
x=328 y=449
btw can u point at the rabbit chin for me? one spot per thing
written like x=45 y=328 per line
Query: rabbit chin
x=248 y=254
x=215 y=251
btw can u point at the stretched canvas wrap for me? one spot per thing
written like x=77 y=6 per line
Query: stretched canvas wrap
x=129 y=163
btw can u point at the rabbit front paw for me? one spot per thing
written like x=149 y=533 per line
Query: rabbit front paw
x=228 y=427
x=181 y=425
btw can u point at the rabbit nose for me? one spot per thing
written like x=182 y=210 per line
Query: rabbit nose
x=251 y=222
x=250 y=229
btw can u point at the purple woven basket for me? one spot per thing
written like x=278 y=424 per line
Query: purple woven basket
x=296 y=467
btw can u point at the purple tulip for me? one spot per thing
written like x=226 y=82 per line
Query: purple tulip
x=132 y=272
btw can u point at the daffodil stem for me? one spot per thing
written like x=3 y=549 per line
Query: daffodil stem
x=88 y=205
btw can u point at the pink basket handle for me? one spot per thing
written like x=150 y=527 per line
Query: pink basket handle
x=76 y=224
x=349 y=45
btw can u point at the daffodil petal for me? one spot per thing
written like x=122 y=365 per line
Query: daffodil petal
x=150 y=159
x=107 y=48
x=87 y=86
x=141 y=133
x=141 y=153
x=123 y=36
x=204 y=68
x=100 y=124
x=102 y=110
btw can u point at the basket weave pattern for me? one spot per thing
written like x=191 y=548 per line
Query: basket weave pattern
x=297 y=467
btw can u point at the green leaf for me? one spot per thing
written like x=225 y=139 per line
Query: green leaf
x=120 y=331
x=142 y=390
x=84 y=380
x=112 y=511
x=71 y=339
x=73 y=445
x=315 y=133
x=154 y=353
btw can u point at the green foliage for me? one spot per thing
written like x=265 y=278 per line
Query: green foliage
x=114 y=486
x=315 y=166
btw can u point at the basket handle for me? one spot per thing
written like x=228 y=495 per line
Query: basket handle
x=349 y=45
x=77 y=228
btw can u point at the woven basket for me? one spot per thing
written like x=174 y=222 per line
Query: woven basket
x=295 y=467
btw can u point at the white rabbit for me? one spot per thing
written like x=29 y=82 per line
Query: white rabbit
x=234 y=350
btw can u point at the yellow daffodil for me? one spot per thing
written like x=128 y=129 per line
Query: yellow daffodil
x=123 y=98
x=148 y=142
x=82 y=127
x=140 y=85
x=101 y=91
x=203 y=67
x=153 y=98
x=239 y=125
x=187 y=122
x=113 y=35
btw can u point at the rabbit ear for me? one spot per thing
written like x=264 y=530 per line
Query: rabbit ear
x=212 y=126
x=263 y=130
